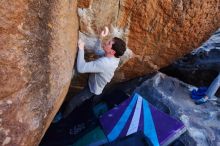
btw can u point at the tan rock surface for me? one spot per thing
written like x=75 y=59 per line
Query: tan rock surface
x=37 y=50
x=157 y=31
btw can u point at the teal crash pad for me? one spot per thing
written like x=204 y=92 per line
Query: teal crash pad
x=100 y=109
x=95 y=137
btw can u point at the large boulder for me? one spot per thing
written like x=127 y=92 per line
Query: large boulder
x=37 y=52
x=156 y=31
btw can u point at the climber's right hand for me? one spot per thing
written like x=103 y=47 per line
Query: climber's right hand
x=105 y=32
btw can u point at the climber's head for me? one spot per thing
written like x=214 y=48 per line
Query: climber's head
x=115 y=47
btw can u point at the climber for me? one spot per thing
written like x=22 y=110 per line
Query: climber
x=101 y=70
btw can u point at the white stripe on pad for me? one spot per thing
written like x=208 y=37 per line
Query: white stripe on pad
x=136 y=117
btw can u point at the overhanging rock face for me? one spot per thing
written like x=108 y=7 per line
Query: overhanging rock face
x=37 y=51
x=157 y=31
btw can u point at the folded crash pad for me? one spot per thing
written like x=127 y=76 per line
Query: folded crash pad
x=136 y=114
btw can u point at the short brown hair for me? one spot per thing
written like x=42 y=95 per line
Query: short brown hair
x=119 y=46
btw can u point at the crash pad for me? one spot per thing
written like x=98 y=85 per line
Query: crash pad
x=95 y=137
x=136 y=114
x=135 y=139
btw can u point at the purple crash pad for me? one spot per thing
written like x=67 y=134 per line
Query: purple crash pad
x=136 y=114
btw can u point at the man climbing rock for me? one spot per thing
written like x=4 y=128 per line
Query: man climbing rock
x=101 y=70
